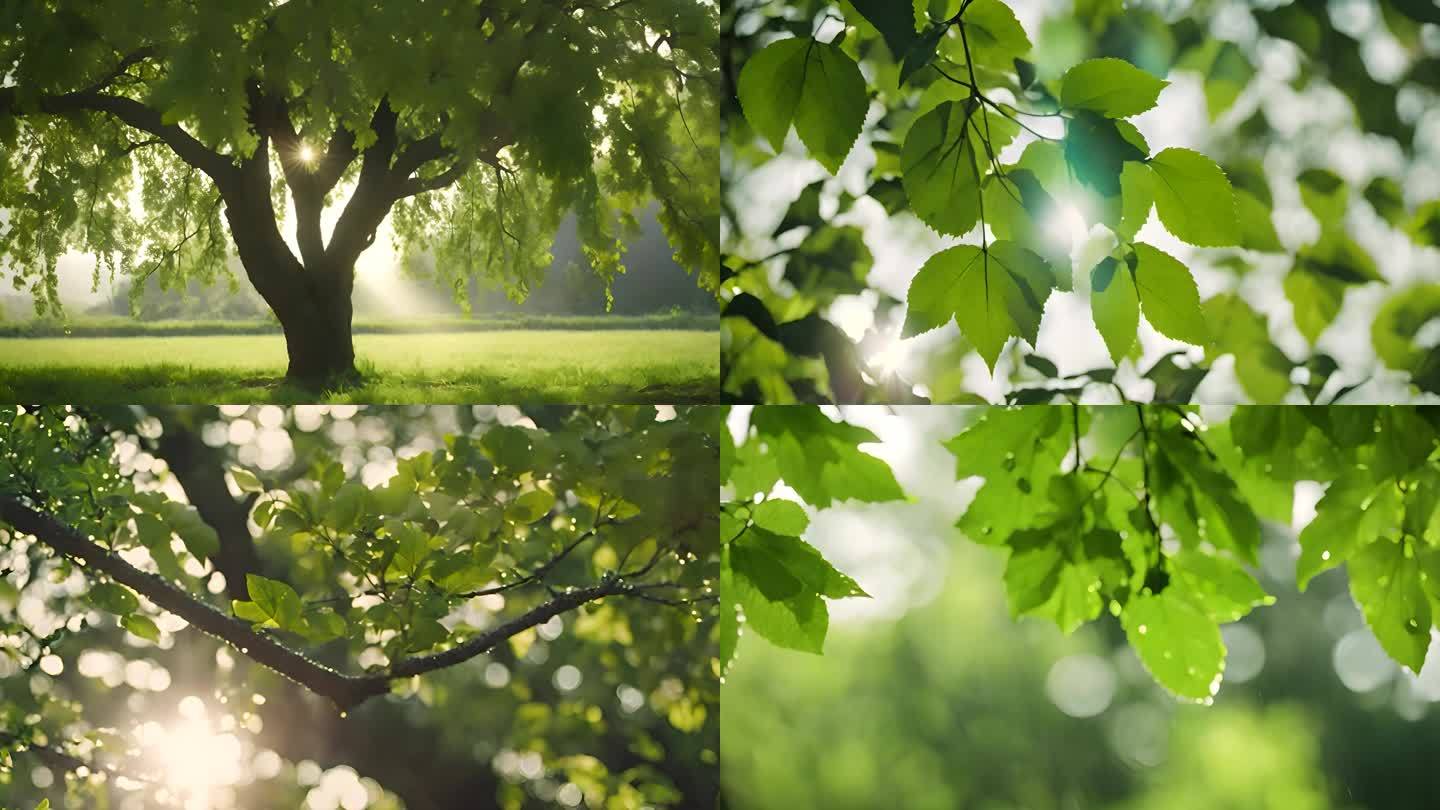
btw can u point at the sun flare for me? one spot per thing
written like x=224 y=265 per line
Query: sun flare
x=307 y=154
x=192 y=758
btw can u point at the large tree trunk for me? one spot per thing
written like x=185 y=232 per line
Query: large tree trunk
x=310 y=299
x=319 y=341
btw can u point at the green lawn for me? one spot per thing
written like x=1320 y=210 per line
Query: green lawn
x=654 y=366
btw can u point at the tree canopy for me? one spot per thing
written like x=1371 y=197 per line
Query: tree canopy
x=133 y=129
x=440 y=605
x=972 y=177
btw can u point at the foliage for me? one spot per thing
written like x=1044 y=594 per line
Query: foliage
x=772 y=581
x=1152 y=514
x=968 y=125
x=588 y=544
x=520 y=112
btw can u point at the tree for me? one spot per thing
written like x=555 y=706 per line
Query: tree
x=1152 y=514
x=402 y=569
x=479 y=124
x=1003 y=168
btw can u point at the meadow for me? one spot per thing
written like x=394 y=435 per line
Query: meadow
x=166 y=364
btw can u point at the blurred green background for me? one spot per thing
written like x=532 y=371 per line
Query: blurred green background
x=930 y=696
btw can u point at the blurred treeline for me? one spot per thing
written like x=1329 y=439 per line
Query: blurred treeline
x=653 y=283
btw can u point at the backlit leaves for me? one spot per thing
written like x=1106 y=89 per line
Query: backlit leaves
x=1115 y=305
x=1078 y=541
x=960 y=83
x=1385 y=579
x=1194 y=198
x=272 y=604
x=1177 y=642
x=772 y=581
x=813 y=85
x=993 y=294
x=942 y=169
x=1113 y=88
x=1168 y=295
x=113 y=598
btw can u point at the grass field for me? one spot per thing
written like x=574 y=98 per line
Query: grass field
x=131 y=327
x=549 y=365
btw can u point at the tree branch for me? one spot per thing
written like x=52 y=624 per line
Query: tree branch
x=203 y=480
x=219 y=167
x=416 y=185
x=345 y=691
x=484 y=642
x=309 y=181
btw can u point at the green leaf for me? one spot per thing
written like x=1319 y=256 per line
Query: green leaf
x=1115 y=306
x=347 y=506
x=1385 y=581
x=1199 y=499
x=530 y=506
x=1136 y=199
x=1263 y=369
x=1323 y=273
x=194 y=532
x=1217 y=585
x=1097 y=148
x=1177 y=643
x=1388 y=200
x=272 y=604
x=996 y=36
x=776 y=604
x=155 y=535
x=1168 y=295
x=803 y=561
x=1424 y=227
x=1032 y=573
x=1113 y=88
x=781 y=516
x=1257 y=229
x=323 y=626
x=922 y=53
x=992 y=295
x=1353 y=513
x=246 y=480
x=113 y=598
x=941 y=165
x=412 y=548
x=1194 y=198
x=1225 y=69
x=813 y=85
x=894 y=20
x=141 y=626
x=820 y=459
x=1324 y=192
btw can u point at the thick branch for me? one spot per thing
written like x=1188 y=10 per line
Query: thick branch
x=344 y=690
x=203 y=480
x=417 y=185
x=137 y=115
x=309 y=180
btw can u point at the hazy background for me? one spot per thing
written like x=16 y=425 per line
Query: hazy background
x=930 y=695
x=389 y=286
